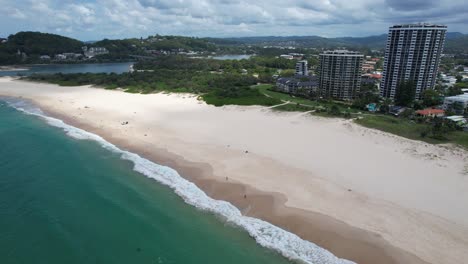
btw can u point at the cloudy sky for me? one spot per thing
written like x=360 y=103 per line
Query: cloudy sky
x=97 y=19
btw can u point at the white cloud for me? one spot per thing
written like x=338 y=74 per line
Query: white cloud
x=95 y=19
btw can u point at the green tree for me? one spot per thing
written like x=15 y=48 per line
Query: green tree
x=385 y=107
x=454 y=90
x=334 y=110
x=457 y=108
x=367 y=94
x=440 y=128
x=405 y=93
x=431 y=98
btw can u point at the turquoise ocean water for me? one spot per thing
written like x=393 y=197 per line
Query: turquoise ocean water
x=64 y=200
x=68 y=196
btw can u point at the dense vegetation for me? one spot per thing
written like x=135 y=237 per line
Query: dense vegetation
x=217 y=82
x=436 y=131
x=32 y=45
x=178 y=42
x=458 y=44
x=35 y=44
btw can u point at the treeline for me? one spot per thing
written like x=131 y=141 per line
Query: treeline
x=217 y=82
x=457 y=45
x=256 y=64
x=179 y=42
x=31 y=45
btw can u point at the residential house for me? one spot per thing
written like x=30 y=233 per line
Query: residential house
x=457 y=104
x=448 y=80
x=459 y=121
x=430 y=112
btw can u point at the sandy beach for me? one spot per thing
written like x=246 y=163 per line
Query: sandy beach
x=365 y=195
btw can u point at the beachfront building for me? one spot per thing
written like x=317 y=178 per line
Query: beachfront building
x=340 y=74
x=412 y=53
x=302 y=68
x=304 y=85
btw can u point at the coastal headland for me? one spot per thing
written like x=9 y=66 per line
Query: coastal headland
x=364 y=195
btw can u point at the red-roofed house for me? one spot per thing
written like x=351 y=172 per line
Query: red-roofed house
x=429 y=112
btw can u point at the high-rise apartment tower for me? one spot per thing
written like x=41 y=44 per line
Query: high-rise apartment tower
x=340 y=74
x=412 y=54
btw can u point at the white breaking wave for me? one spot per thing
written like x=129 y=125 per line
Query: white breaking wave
x=270 y=236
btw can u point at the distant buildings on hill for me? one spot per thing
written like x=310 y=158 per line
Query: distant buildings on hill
x=412 y=54
x=88 y=53
x=94 y=51
x=292 y=56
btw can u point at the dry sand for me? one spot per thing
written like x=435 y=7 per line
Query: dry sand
x=363 y=194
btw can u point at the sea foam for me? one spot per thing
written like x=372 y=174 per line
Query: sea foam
x=267 y=235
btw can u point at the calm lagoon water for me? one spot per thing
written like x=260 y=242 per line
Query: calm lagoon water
x=64 y=200
x=71 y=68
x=232 y=57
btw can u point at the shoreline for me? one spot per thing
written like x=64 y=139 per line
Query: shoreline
x=342 y=240
x=279 y=207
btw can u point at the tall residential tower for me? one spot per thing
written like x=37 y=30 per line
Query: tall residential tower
x=412 y=54
x=340 y=74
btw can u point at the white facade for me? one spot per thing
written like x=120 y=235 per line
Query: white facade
x=461 y=99
x=302 y=68
x=449 y=80
x=94 y=51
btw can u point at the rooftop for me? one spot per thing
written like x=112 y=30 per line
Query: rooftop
x=418 y=26
x=342 y=52
x=460 y=97
x=430 y=111
x=456 y=118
